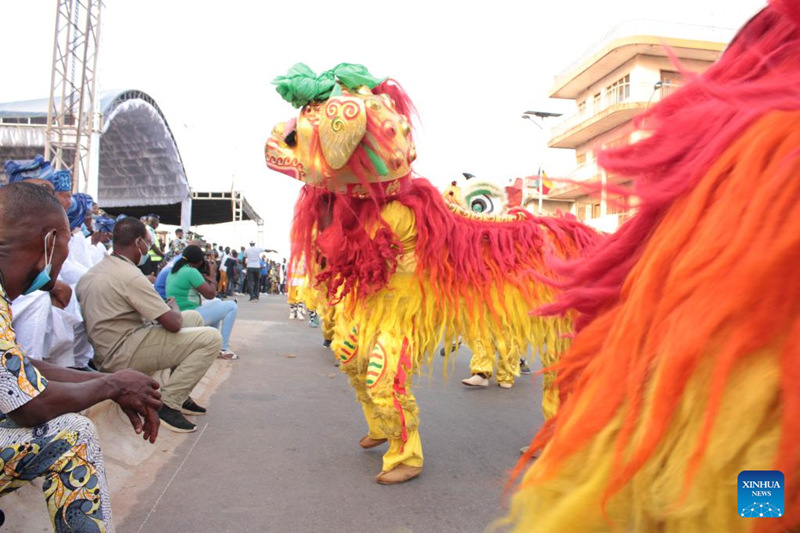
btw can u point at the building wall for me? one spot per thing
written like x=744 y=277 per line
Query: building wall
x=606 y=211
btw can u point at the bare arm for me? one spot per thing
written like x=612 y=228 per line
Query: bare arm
x=136 y=393
x=60 y=398
x=62 y=374
x=172 y=320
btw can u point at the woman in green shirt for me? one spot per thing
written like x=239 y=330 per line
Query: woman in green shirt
x=188 y=287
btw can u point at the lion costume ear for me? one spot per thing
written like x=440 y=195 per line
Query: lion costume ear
x=342 y=126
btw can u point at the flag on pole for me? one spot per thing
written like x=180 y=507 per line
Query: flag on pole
x=546 y=183
x=541 y=181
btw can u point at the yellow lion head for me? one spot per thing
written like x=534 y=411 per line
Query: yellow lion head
x=350 y=133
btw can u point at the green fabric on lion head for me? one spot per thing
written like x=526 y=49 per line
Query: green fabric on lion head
x=300 y=86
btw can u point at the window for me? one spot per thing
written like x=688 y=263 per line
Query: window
x=619 y=91
x=669 y=82
x=618 y=204
x=596 y=210
x=582 y=210
x=596 y=102
x=582 y=107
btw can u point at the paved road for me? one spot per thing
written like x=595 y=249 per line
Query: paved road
x=278 y=450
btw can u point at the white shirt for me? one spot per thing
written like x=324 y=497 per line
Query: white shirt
x=253 y=256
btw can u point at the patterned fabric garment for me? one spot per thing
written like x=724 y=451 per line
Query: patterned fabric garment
x=176 y=248
x=65 y=450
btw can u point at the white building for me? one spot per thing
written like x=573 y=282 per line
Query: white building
x=615 y=80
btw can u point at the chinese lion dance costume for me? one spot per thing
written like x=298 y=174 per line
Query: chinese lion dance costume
x=685 y=369
x=486 y=198
x=405 y=269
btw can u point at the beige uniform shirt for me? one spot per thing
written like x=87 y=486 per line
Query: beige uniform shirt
x=118 y=304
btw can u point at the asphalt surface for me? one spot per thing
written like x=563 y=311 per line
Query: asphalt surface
x=278 y=450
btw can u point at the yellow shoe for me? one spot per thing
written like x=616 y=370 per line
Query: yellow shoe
x=399 y=474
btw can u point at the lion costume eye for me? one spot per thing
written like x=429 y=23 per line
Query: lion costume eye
x=480 y=202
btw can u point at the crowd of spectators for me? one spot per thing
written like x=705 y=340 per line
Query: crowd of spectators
x=92 y=306
x=248 y=271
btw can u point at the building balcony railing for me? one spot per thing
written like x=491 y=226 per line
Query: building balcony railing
x=621 y=98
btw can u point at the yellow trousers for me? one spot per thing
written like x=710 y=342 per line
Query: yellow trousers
x=482 y=361
x=296 y=294
x=550 y=401
x=381 y=377
x=328 y=316
x=508 y=357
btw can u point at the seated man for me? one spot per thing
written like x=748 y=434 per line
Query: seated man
x=40 y=434
x=48 y=325
x=130 y=326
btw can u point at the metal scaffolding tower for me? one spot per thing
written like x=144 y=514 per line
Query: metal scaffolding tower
x=73 y=118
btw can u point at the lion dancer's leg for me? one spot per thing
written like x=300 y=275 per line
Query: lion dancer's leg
x=328 y=316
x=550 y=401
x=481 y=365
x=508 y=357
x=346 y=349
x=388 y=381
x=382 y=387
x=293 y=301
x=302 y=297
x=314 y=303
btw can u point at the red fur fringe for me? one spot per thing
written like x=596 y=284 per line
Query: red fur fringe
x=460 y=256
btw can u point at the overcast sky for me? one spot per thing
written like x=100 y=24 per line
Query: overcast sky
x=471 y=70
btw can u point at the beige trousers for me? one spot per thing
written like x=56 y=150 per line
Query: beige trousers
x=189 y=353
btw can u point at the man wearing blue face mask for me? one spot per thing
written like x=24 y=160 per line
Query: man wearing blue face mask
x=40 y=434
x=130 y=326
x=50 y=326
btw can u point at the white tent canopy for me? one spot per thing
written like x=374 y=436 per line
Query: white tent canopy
x=140 y=167
x=139 y=161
